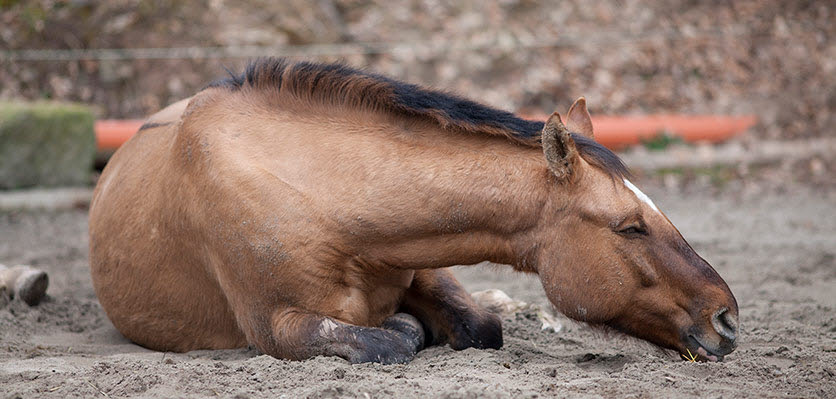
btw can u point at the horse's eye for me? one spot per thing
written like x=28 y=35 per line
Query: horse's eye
x=635 y=229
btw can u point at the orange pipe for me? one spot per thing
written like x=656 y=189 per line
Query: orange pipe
x=112 y=133
x=612 y=131
x=620 y=131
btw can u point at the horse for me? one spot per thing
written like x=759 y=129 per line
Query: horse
x=311 y=209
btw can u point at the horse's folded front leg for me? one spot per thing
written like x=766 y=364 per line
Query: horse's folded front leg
x=301 y=335
x=448 y=312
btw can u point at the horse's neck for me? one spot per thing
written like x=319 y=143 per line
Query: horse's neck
x=404 y=193
x=472 y=198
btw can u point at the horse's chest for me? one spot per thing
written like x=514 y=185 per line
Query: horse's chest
x=368 y=299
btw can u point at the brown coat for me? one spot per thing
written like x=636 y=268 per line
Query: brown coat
x=299 y=207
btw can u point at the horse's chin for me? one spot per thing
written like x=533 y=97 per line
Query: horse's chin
x=691 y=346
x=696 y=349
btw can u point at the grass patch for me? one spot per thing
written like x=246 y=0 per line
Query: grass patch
x=661 y=141
x=719 y=175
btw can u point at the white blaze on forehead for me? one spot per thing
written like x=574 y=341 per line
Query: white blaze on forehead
x=642 y=196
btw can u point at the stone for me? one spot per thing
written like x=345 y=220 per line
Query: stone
x=23 y=282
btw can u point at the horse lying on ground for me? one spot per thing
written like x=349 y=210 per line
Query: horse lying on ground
x=312 y=209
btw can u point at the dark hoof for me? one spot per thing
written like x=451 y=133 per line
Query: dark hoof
x=479 y=330
x=409 y=326
x=397 y=341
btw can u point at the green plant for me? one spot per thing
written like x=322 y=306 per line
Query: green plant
x=45 y=144
x=661 y=141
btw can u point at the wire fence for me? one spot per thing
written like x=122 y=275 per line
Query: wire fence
x=505 y=43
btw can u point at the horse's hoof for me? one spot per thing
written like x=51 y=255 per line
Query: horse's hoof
x=409 y=325
x=400 y=337
x=31 y=286
x=482 y=330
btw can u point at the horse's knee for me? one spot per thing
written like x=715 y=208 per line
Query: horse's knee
x=449 y=314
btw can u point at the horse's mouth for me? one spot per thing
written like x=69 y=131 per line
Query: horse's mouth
x=696 y=351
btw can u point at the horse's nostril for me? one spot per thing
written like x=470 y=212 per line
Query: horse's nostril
x=725 y=324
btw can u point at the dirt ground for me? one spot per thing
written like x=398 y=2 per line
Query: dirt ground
x=777 y=251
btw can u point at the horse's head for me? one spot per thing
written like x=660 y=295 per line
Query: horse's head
x=610 y=257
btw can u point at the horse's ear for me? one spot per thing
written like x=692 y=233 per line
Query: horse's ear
x=578 y=119
x=561 y=154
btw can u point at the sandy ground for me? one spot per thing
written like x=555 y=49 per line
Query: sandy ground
x=776 y=251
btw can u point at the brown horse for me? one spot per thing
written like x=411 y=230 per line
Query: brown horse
x=300 y=207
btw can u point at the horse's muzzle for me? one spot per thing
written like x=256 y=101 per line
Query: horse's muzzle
x=704 y=345
x=725 y=325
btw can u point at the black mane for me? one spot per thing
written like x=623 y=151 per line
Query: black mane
x=343 y=85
